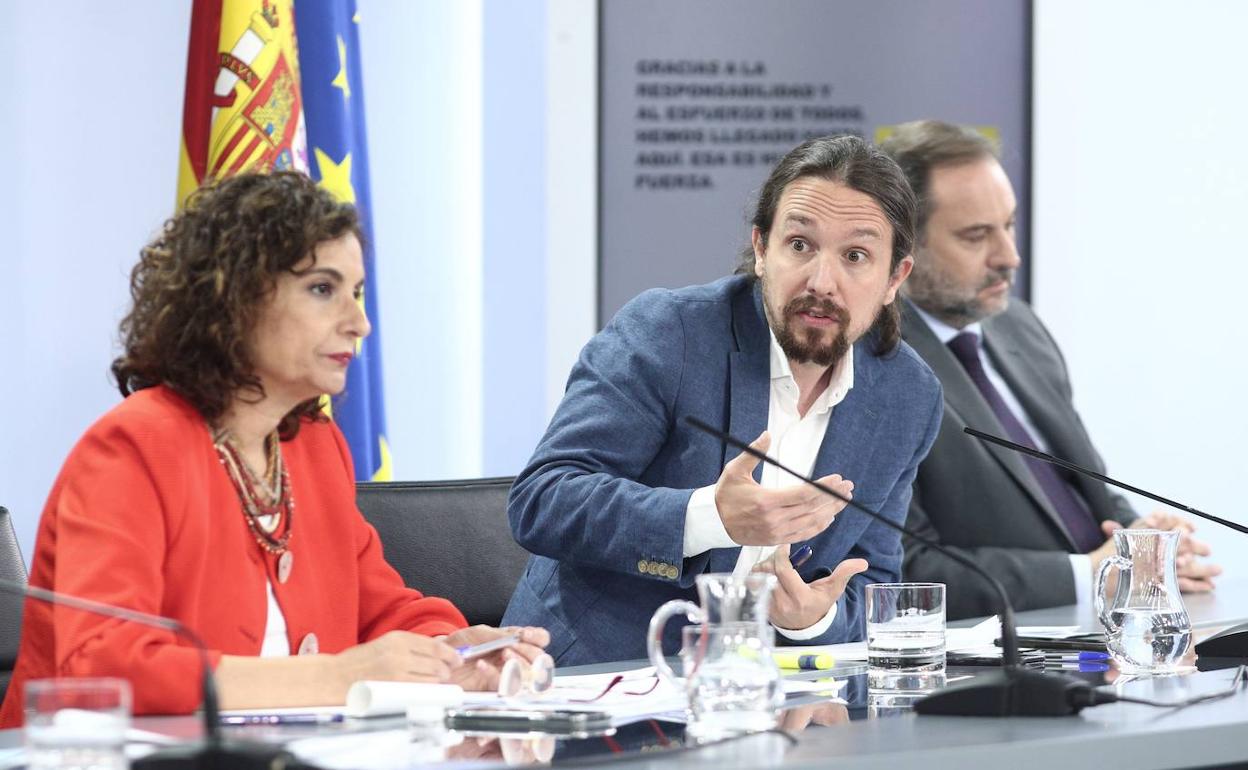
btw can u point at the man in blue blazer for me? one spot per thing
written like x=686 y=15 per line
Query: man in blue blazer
x=623 y=505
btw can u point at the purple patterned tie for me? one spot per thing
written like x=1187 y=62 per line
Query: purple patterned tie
x=1079 y=522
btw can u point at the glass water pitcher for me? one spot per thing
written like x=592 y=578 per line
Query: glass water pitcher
x=1147 y=627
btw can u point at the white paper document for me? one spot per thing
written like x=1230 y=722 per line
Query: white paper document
x=978 y=638
x=640 y=694
x=626 y=695
x=970 y=639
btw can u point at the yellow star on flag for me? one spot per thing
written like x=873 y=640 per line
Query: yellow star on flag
x=340 y=80
x=335 y=177
x=385 y=472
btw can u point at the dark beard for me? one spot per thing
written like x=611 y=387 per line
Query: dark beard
x=935 y=294
x=805 y=348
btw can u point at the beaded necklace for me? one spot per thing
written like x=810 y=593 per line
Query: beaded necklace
x=263 y=502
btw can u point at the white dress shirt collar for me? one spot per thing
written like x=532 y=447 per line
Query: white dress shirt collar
x=943 y=331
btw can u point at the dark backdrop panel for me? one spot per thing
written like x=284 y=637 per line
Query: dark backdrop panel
x=699 y=98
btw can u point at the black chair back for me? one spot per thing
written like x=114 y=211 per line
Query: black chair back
x=13 y=569
x=449 y=539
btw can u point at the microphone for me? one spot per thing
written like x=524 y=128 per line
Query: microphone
x=1012 y=691
x=1230 y=642
x=214 y=751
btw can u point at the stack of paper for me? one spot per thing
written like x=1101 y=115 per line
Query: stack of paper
x=977 y=639
x=639 y=694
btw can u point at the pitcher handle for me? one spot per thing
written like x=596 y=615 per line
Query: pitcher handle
x=654 y=641
x=1099 y=585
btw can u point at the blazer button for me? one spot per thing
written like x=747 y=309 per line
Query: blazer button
x=310 y=645
x=643 y=566
x=672 y=572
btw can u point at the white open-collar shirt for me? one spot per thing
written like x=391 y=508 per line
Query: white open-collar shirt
x=795 y=441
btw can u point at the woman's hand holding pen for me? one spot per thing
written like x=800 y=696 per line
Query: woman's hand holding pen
x=407 y=657
x=482 y=673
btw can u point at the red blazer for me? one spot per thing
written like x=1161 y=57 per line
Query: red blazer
x=144 y=516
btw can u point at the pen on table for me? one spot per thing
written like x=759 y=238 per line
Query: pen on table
x=1086 y=667
x=280 y=719
x=801 y=556
x=471 y=651
x=792 y=660
x=1076 y=657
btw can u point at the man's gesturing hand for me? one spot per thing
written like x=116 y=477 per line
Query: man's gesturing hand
x=796 y=605
x=753 y=515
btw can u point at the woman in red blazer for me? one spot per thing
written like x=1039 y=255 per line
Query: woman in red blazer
x=217 y=493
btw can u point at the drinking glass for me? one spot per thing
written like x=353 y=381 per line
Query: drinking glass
x=77 y=724
x=905 y=631
x=897 y=693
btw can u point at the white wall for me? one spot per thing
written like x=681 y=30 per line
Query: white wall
x=571 y=187
x=423 y=94
x=481 y=121
x=89 y=132
x=1141 y=185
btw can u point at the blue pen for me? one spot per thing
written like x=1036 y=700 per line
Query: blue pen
x=801 y=556
x=1087 y=668
x=477 y=650
x=281 y=719
x=1076 y=657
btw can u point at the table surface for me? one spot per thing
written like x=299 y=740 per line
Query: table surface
x=1118 y=735
x=1225 y=606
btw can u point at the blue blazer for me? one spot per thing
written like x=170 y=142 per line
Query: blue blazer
x=601 y=505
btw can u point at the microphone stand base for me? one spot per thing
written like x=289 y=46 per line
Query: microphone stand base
x=1008 y=692
x=235 y=755
x=1228 y=643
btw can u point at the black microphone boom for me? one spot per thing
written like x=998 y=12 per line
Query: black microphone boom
x=214 y=752
x=1230 y=642
x=1014 y=690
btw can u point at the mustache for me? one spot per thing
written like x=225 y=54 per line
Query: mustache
x=824 y=307
x=1002 y=275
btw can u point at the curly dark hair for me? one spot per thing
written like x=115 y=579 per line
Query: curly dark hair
x=200 y=283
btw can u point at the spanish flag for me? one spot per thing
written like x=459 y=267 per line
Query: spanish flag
x=245 y=109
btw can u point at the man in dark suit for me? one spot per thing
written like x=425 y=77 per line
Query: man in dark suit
x=1040 y=530
x=624 y=505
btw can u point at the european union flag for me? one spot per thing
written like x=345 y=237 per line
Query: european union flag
x=333 y=104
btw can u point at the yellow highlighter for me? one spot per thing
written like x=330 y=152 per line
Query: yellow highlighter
x=792 y=660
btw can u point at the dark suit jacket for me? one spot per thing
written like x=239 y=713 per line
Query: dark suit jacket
x=602 y=502
x=982 y=499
